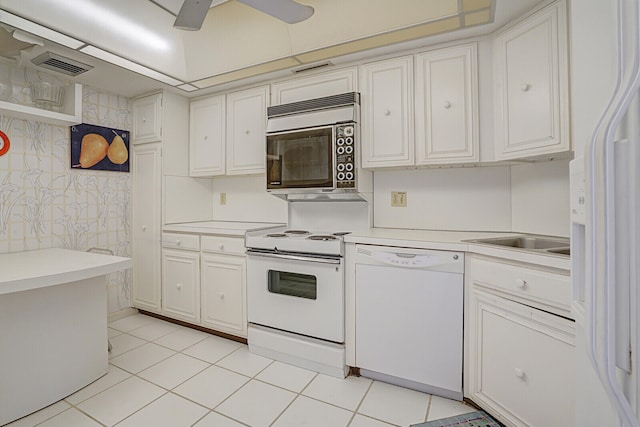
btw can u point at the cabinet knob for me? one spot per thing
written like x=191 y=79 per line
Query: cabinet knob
x=221 y=246
x=247 y=131
x=206 y=137
x=221 y=295
x=447 y=105
x=144 y=228
x=525 y=87
x=387 y=112
x=519 y=373
x=521 y=283
x=178 y=242
x=144 y=120
x=178 y=286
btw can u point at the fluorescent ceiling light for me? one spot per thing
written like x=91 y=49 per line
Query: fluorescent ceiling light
x=101 y=16
x=33 y=28
x=187 y=87
x=130 y=65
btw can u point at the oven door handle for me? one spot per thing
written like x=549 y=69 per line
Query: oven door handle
x=306 y=258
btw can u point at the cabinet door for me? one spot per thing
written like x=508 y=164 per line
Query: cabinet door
x=522 y=362
x=146 y=232
x=246 y=124
x=147 y=119
x=532 y=86
x=181 y=284
x=314 y=86
x=207 y=136
x=223 y=293
x=447 y=106
x=387 y=113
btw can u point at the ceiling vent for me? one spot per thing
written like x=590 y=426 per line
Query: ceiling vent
x=311 y=67
x=61 y=64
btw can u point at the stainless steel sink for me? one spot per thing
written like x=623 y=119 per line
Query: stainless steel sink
x=552 y=245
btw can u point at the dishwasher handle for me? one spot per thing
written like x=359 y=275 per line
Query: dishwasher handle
x=422 y=259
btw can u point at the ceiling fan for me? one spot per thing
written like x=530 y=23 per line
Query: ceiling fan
x=193 y=12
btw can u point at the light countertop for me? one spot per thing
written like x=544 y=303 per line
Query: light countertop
x=22 y=271
x=225 y=228
x=455 y=241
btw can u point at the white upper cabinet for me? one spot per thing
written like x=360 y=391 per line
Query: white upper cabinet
x=147 y=119
x=314 y=86
x=207 y=136
x=447 y=106
x=531 y=75
x=246 y=125
x=387 y=112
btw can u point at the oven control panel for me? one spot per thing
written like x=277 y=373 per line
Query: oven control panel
x=345 y=156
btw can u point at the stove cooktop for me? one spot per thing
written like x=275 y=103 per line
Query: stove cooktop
x=297 y=240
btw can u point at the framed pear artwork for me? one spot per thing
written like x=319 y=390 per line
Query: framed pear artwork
x=99 y=148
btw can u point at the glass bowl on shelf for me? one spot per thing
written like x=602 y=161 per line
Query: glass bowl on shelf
x=48 y=96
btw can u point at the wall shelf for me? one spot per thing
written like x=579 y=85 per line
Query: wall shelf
x=70 y=113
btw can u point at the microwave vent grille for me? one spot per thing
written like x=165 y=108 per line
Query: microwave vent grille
x=343 y=99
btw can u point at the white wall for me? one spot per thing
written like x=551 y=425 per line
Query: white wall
x=247 y=200
x=445 y=199
x=540 y=198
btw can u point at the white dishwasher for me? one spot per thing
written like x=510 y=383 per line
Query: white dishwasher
x=409 y=305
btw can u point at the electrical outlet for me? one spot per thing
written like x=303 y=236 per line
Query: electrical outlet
x=223 y=198
x=398 y=199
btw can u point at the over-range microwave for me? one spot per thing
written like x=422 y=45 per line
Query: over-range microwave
x=312 y=149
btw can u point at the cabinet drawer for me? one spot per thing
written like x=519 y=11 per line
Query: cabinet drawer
x=551 y=291
x=181 y=241
x=226 y=245
x=525 y=363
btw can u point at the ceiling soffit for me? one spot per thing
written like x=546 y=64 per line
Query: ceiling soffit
x=237 y=41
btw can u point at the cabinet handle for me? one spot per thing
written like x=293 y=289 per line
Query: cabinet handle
x=519 y=373
x=178 y=242
x=525 y=87
x=221 y=246
x=178 y=286
x=144 y=228
x=221 y=295
x=521 y=283
x=387 y=112
x=447 y=105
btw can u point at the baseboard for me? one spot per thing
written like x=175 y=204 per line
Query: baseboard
x=117 y=315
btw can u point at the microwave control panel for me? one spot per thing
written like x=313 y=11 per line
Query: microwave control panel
x=345 y=156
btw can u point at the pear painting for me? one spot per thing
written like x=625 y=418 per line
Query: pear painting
x=99 y=148
x=117 y=151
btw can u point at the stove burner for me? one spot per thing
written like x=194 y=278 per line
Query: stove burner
x=322 y=237
x=341 y=233
x=277 y=235
x=296 y=232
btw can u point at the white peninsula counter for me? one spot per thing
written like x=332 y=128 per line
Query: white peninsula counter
x=53 y=326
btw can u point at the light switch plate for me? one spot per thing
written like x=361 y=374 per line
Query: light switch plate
x=223 y=198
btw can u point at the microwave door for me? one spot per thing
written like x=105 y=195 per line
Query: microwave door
x=300 y=159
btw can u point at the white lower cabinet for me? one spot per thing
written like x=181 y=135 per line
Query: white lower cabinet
x=204 y=281
x=521 y=359
x=181 y=284
x=224 y=293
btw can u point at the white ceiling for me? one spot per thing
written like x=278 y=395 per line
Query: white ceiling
x=229 y=39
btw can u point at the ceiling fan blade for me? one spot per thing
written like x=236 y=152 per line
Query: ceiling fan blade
x=288 y=11
x=192 y=14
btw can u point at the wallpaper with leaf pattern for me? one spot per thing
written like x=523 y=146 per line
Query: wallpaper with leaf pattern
x=43 y=202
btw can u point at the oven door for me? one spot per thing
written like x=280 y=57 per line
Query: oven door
x=299 y=294
x=301 y=159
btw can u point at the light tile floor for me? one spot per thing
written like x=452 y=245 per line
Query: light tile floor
x=162 y=374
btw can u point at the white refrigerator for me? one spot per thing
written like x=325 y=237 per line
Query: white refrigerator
x=605 y=214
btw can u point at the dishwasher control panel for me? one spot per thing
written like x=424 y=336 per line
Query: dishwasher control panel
x=411 y=258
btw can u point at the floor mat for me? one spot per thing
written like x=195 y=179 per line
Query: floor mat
x=472 y=419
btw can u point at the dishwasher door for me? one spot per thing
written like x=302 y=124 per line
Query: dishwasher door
x=409 y=305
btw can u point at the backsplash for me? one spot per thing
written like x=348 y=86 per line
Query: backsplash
x=44 y=203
